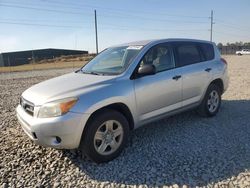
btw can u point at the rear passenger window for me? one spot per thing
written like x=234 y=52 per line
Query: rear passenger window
x=207 y=50
x=188 y=54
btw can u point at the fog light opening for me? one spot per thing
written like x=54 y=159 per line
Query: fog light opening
x=58 y=139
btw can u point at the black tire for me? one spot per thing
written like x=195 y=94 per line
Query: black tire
x=203 y=108
x=87 y=145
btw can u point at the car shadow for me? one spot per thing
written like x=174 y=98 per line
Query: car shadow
x=184 y=149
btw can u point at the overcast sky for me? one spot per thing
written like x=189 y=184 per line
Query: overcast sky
x=34 y=24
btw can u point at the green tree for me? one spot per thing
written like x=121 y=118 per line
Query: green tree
x=219 y=45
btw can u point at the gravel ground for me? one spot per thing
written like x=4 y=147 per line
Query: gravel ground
x=181 y=151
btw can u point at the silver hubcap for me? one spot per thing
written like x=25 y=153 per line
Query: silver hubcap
x=213 y=101
x=108 y=137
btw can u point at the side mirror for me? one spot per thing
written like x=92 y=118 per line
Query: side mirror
x=146 y=70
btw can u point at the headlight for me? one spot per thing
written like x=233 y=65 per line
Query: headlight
x=56 y=108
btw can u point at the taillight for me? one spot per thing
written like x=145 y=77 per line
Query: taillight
x=223 y=60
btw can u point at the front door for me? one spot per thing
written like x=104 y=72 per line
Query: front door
x=159 y=93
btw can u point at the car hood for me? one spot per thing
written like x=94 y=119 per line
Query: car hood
x=68 y=85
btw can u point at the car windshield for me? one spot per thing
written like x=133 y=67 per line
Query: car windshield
x=112 y=61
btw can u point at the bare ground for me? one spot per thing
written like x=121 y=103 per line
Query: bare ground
x=183 y=150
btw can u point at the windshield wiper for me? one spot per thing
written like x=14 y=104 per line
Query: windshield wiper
x=91 y=72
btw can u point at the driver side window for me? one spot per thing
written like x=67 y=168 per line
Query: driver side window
x=160 y=56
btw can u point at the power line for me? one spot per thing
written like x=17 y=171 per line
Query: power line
x=42 y=25
x=103 y=15
x=231 y=34
x=43 y=20
x=223 y=23
x=152 y=19
x=234 y=26
x=120 y=27
x=115 y=14
x=110 y=26
x=42 y=3
x=40 y=9
x=111 y=15
x=123 y=10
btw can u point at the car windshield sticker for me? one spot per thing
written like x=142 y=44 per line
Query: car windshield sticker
x=134 y=47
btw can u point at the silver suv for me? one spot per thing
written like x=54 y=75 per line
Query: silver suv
x=121 y=89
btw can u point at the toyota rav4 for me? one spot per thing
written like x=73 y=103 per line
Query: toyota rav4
x=122 y=88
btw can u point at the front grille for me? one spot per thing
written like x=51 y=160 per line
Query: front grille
x=27 y=106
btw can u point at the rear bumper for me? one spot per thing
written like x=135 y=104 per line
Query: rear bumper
x=62 y=132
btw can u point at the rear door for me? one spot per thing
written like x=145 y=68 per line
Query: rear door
x=195 y=69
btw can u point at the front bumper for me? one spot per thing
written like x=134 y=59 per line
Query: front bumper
x=62 y=132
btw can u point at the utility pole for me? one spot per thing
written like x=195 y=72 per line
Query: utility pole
x=211 y=26
x=96 y=36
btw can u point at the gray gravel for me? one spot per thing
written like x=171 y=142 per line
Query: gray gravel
x=181 y=151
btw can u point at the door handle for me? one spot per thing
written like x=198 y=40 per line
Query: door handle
x=177 y=77
x=208 y=69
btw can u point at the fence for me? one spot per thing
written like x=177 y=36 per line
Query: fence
x=226 y=50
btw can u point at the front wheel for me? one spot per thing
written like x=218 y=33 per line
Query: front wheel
x=105 y=136
x=211 y=102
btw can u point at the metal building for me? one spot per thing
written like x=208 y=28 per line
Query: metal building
x=1 y=60
x=25 y=57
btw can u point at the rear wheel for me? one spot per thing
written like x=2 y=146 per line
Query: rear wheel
x=105 y=136
x=211 y=102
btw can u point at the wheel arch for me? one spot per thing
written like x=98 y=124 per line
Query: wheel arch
x=219 y=83
x=120 y=107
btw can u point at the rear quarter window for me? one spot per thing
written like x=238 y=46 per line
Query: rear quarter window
x=207 y=50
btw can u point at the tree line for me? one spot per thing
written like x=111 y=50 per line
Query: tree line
x=235 y=44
